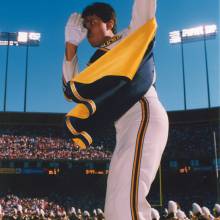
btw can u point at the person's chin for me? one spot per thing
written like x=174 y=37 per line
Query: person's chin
x=94 y=43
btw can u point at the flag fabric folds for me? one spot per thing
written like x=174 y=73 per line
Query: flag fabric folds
x=111 y=85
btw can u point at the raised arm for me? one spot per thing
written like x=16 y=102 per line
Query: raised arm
x=74 y=34
x=70 y=62
x=142 y=11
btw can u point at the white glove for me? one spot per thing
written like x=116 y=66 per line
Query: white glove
x=74 y=30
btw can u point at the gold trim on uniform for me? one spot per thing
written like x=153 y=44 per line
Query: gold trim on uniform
x=80 y=111
x=69 y=100
x=110 y=41
x=104 y=49
x=74 y=132
x=79 y=143
x=79 y=97
x=137 y=159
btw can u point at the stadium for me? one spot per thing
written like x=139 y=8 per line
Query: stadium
x=39 y=161
x=47 y=169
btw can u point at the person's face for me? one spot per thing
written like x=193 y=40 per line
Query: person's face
x=98 y=31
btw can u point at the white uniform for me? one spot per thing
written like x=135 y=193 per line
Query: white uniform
x=141 y=136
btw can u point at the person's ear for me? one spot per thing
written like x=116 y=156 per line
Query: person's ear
x=110 y=24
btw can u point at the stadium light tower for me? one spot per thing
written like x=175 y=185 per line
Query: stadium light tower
x=203 y=32
x=216 y=168
x=18 y=39
x=7 y=39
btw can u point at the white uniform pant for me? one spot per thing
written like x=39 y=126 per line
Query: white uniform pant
x=141 y=136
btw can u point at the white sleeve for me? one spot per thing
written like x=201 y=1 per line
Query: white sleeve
x=142 y=11
x=70 y=68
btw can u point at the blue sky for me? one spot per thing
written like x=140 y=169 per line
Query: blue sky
x=45 y=62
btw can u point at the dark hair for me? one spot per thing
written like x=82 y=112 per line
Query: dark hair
x=103 y=11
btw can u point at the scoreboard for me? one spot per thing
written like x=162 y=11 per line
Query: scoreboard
x=54 y=167
x=29 y=171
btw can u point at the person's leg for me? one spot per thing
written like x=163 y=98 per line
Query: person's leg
x=141 y=138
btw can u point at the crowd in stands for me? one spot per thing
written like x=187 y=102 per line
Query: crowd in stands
x=53 y=143
x=15 y=144
x=186 y=140
x=14 y=207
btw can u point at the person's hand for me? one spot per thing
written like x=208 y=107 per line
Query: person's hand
x=74 y=30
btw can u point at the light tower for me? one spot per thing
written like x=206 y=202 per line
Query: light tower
x=203 y=33
x=18 y=39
